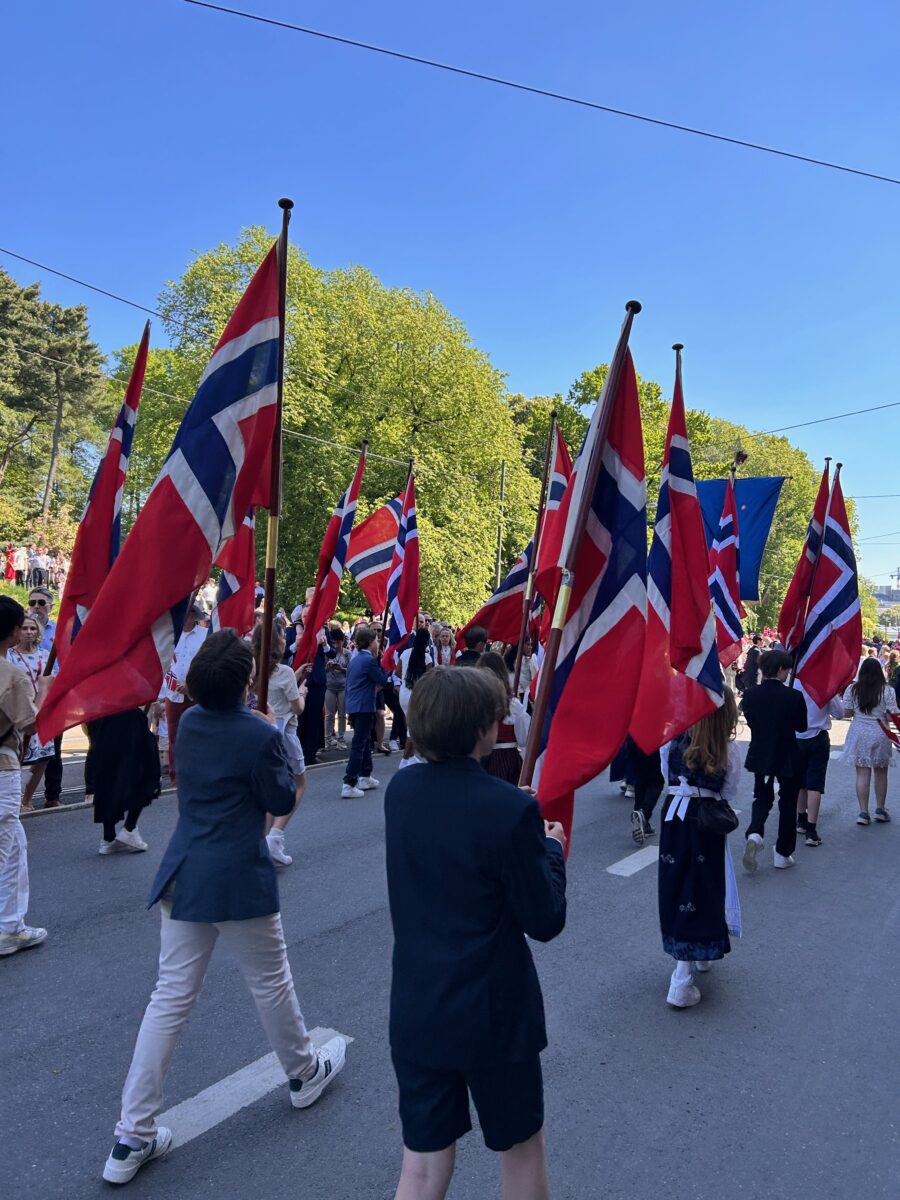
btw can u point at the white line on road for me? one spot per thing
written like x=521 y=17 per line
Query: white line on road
x=632 y=863
x=215 y=1104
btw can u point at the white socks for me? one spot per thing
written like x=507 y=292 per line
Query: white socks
x=682 y=972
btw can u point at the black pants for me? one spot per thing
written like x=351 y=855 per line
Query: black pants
x=398 y=727
x=359 y=764
x=53 y=773
x=20 y=578
x=311 y=723
x=764 y=798
x=648 y=780
x=131 y=820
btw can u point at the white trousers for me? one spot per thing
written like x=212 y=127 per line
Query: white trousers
x=13 y=855
x=184 y=953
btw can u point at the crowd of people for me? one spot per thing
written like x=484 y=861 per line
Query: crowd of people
x=240 y=769
x=34 y=566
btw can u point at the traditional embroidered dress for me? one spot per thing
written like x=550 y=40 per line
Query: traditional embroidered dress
x=32 y=662
x=696 y=879
x=505 y=761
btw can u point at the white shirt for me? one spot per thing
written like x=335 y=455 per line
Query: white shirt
x=818 y=718
x=188 y=645
x=283 y=690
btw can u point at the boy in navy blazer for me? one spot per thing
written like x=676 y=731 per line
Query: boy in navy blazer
x=472 y=868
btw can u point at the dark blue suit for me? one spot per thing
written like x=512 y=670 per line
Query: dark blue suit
x=470 y=872
x=232 y=771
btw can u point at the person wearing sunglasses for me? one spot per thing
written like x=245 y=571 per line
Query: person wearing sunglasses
x=40 y=605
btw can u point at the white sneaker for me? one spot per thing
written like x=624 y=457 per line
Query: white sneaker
x=782 y=862
x=395 y=746
x=124 y=1163
x=702 y=967
x=131 y=840
x=275 y=842
x=28 y=936
x=683 y=995
x=331 y=1058
x=349 y=792
x=367 y=783
x=113 y=847
x=751 y=850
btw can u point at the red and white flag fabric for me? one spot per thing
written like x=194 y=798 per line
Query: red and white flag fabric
x=332 y=559
x=796 y=601
x=829 y=650
x=681 y=680
x=219 y=467
x=371 y=551
x=235 y=606
x=725 y=581
x=99 y=536
x=403 y=584
x=547 y=571
x=594 y=685
x=501 y=614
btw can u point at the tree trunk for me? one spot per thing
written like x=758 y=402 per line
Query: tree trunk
x=54 y=451
x=12 y=444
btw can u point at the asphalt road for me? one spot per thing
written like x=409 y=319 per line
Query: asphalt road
x=781 y=1084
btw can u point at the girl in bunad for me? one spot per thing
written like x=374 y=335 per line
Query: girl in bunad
x=505 y=761
x=698 y=903
x=443 y=647
x=30 y=658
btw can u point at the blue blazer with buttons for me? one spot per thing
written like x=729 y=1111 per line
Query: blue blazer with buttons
x=232 y=771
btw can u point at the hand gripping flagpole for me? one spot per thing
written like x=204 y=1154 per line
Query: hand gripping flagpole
x=549 y=455
x=265 y=650
x=572 y=547
x=815 y=571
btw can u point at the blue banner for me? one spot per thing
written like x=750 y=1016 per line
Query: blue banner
x=756 y=499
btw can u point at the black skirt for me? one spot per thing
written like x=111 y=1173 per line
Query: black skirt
x=124 y=765
x=691 y=888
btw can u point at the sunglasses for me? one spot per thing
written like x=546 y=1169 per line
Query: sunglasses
x=37 y=603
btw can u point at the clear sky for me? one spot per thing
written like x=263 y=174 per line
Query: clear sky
x=139 y=131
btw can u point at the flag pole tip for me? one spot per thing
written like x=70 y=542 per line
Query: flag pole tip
x=678 y=345
x=286 y=203
x=633 y=306
x=839 y=465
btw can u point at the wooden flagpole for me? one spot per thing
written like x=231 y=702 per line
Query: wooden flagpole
x=528 y=594
x=815 y=571
x=573 y=545
x=265 y=651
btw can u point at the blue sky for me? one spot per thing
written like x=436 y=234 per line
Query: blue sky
x=137 y=133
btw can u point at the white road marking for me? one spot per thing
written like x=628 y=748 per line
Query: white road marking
x=215 y=1104
x=632 y=863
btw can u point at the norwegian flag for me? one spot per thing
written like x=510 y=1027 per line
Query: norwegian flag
x=371 y=550
x=219 y=466
x=724 y=581
x=681 y=680
x=501 y=614
x=403 y=584
x=99 y=535
x=829 y=650
x=332 y=558
x=594 y=685
x=547 y=572
x=235 y=606
x=796 y=601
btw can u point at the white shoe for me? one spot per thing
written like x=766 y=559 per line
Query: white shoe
x=782 y=862
x=367 y=783
x=349 y=792
x=124 y=1163
x=131 y=840
x=113 y=847
x=683 y=995
x=330 y=1063
x=395 y=746
x=28 y=936
x=275 y=842
x=702 y=967
x=751 y=850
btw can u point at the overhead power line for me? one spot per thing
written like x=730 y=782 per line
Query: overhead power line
x=546 y=93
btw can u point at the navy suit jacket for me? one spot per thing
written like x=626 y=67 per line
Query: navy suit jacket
x=774 y=713
x=470 y=873
x=232 y=770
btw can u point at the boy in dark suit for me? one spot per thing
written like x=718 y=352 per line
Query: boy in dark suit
x=775 y=713
x=472 y=868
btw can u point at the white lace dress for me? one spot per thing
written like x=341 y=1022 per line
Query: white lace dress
x=867 y=745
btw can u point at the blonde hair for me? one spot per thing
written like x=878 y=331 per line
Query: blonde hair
x=707 y=749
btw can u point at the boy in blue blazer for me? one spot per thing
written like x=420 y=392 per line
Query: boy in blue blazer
x=472 y=868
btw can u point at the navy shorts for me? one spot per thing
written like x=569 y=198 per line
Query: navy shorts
x=434 y=1104
x=814 y=753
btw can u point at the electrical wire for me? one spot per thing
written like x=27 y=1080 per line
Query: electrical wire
x=534 y=90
